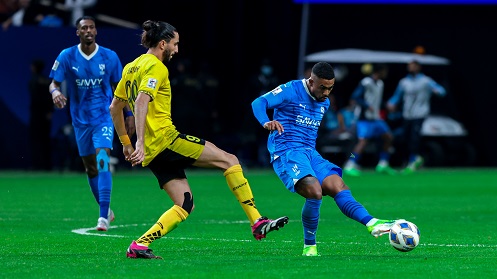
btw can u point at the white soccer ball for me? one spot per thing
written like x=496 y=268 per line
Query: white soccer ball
x=404 y=236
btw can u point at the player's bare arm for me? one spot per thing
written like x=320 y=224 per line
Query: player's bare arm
x=58 y=98
x=116 y=112
x=129 y=121
x=141 y=110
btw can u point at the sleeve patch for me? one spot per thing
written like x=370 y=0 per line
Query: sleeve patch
x=55 y=65
x=276 y=90
x=152 y=83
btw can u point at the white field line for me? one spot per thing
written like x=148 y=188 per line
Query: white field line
x=93 y=232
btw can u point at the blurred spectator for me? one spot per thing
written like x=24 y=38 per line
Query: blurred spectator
x=347 y=118
x=41 y=109
x=8 y=8
x=34 y=12
x=253 y=138
x=16 y=18
x=190 y=110
x=77 y=8
x=337 y=132
x=413 y=93
x=339 y=123
x=210 y=90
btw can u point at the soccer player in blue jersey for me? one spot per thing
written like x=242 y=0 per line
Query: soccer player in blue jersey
x=91 y=72
x=368 y=95
x=299 y=106
x=414 y=92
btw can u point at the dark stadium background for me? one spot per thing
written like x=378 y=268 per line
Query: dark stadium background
x=234 y=37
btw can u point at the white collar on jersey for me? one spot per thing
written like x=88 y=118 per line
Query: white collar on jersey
x=304 y=81
x=88 y=57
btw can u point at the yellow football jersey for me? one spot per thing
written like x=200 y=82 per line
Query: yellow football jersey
x=147 y=74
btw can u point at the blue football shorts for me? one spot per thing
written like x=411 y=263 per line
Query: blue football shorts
x=298 y=163
x=90 y=138
x=368 y=129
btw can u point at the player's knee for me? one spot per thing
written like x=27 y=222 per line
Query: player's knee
x=227 y=161
x=188 y=203
x=232 y=159
x=309 y=187
x=315 y=193
x=103 y=161
x=332 y=185
x=91 y=171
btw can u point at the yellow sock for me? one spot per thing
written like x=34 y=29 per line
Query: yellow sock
x=166 y=223
x=241 y=189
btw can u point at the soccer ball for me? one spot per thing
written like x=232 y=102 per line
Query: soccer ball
x=404 y=236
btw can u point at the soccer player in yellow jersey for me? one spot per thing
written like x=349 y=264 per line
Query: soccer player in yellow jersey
x=165 y=151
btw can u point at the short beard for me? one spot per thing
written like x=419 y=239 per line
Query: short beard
x=167 y=56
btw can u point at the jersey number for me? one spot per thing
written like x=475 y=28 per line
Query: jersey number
x=131 y=92
x=189 y=138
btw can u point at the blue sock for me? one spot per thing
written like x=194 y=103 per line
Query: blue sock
x=104 y=189
x=351 y=208
x=310 y=219
x=94 y=186
x=384 y=156
x=412 y=158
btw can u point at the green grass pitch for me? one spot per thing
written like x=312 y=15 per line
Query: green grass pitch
x=47 y=228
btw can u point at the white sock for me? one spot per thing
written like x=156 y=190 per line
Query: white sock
x=371 y=222
x=383 y=163
x=350 y=164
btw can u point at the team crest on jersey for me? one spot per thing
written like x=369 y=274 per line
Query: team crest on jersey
x=55 y=65
x=276 y=91
x=102 y=68
x=152 y=83
x=322 y=109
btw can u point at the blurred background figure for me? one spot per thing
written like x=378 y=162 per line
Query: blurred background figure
x=253 y=139
x=195 y=103
x=41 y=108
x=34 y=13
x=337 y=133
x=190 y=106
x=8 y=8
x=77 y=7
x=210 y=91
x=16 y=18
x=368 y=95
x=414 y=93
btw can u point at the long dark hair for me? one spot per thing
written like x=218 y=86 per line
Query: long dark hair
x=155 y=31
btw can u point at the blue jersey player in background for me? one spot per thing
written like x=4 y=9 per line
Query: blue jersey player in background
x=299 y=107
x=369 y=95
x=91 y=73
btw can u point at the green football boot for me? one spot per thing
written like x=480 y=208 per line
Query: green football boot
x=351 y=171
x=386 y=169
x=310 y=251
x=380 y=227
